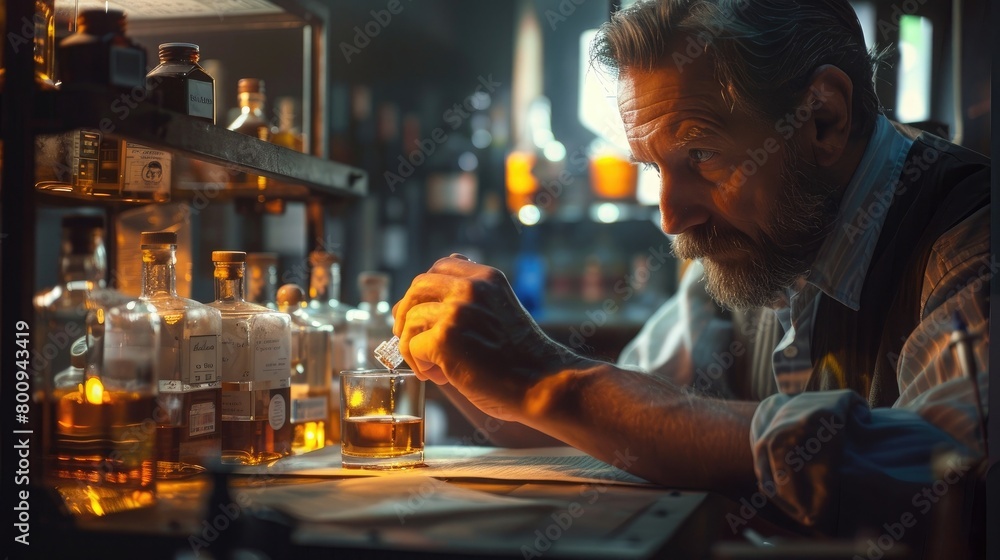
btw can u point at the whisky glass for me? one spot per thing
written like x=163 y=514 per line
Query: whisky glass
x=382 y=419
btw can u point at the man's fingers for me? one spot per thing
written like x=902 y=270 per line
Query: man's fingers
x=425 y=288
x=419 y=325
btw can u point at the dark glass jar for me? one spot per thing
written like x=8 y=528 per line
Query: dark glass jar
x=100 y=53
x=185 y=86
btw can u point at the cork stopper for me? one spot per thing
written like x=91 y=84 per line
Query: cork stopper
x=158 y=238
x=229 y=257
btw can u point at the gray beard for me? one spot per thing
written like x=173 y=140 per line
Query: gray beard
x=743 y=273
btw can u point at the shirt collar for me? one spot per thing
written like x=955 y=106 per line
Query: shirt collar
x=841 y=264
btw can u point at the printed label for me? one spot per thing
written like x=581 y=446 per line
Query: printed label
x=146 y=169
x=276 y=412
x=237 y=405
x=201 y=99
x=308 y=408
x=203 y=356
x=271 y=348
x=84 y=151
x=202 y=418
x=236 y=354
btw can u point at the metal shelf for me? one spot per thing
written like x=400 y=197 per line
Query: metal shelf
x=146 y=123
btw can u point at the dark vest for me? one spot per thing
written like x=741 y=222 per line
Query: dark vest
x=941 y=185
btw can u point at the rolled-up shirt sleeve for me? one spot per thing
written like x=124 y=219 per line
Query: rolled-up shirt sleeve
x=834 y=464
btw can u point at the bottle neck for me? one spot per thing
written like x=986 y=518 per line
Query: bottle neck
x=324 y=284
x=229 y=281
x=90 y=267
x=159 y=271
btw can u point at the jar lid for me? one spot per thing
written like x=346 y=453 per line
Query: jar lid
x=229 y=256
x=158 y=238
x=179 y=46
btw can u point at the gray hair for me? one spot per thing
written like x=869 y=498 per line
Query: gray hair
x=764 y=51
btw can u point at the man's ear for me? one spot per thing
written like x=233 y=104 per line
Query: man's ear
x=829 y=100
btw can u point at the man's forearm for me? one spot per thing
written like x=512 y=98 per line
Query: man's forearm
x=667 y=436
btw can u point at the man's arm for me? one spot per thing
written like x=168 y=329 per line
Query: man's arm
x=460 y=324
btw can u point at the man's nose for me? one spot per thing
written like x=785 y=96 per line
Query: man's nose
x=682 y=204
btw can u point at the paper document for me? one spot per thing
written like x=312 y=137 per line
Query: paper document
x=405 y=498
x=526 y=465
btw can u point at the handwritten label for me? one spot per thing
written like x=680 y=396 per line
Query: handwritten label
x=203 y=356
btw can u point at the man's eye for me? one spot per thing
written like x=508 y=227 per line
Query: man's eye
x=701 y=156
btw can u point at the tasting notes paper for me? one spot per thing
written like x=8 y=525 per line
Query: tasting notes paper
x=562 y=464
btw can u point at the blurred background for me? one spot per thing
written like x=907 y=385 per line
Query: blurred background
x=485 y=131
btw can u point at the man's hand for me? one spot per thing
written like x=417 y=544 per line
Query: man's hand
x=460 y=323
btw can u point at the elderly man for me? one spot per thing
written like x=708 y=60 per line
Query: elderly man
x=845 y=245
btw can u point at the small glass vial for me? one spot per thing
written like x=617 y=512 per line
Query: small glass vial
x=314 y=419
x=189 y=403
x=256 y=369
x=186 y=87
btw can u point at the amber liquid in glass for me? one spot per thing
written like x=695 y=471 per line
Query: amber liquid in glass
x=101 y=457
x=383 y=436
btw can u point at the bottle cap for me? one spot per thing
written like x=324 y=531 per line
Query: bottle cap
x=101 y=22
x=250 y=85
x=176 y=51
x=291 y=296
x=158 y=238
x=229 y=256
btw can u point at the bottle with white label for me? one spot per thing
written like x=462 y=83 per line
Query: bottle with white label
x=256 y=369
x=185 y=87
x=314 y=420
x=189 y=400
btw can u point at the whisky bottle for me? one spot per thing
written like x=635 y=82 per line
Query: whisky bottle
x=256 y=369
x=312 y=416
x=252 y=122
x=285 y=134
x=326 y=306
x=189 y=403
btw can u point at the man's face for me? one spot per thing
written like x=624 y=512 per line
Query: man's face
x=734 y=191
